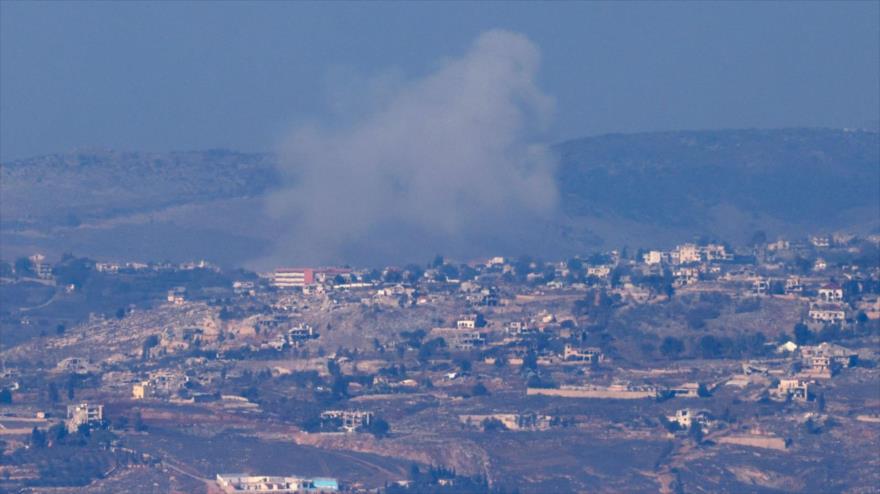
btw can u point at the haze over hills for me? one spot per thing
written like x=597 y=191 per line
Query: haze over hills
x=614 y=190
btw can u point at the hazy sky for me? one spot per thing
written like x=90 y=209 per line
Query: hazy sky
x=175 y=76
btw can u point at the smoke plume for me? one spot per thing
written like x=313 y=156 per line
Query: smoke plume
x=446 y=164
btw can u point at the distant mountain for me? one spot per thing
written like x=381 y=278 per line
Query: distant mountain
x=704 y=182
x=634 y=189
x=85 y=186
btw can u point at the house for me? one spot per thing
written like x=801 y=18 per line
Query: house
x=793 y=286
x=686 y=276
x=470 y=321
x=232 y=483
x=819 y=366
x=298 y=334
x=688 y=390
x=75 y=365
x=520 y=328
x=778 y=245
x=244 y=288
x=716 y=252
x=141 y=390
x=599 y=271
x=686 y=254
x=820 y=265
x=839 y=355
x=41 y=268
x=792 y=388
x=827 y=313
x=177 y=295
x=83 y=414
x=511 y=421
x=634 y=293
x=107 y=267
x=652 y=257
x=685 y=417
x=570 y=353
x=489 y=297
x=832 y=292
x=820 y=241
x=350 y=420
x=166 y=382
x=760 y=286
x=466 y=340
x=870 y=305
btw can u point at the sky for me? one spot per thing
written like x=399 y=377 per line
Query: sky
x=182 y=76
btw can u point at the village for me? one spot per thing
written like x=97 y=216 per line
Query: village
x=445 y=375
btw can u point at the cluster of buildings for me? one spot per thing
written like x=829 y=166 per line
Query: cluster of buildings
x=233 y=483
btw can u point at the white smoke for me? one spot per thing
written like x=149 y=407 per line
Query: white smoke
x=445 y=165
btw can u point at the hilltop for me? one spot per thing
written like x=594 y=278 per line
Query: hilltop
x=617 y=189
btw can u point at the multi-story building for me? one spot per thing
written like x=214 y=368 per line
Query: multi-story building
x=571 y=353
x=351 y=420
x=832 y=292
x=241 y=482
x=293 y=277
x=652 y=257
x=41 y=268
x=83 y=414
x=827 y=313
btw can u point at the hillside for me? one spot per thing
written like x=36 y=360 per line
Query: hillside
x=635 y=189
x=807 y=176
x=86 y=186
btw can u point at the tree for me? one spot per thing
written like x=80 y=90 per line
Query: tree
x=38 y=438
x=759 y=238
x=413 y=272
x=73 y=271
x=120 y=313
x=710 y=347
x=802 y=334
x=137 y=421
x=671 y=347
x=450 y=271
x=5 y=396
x=493 y=425
x=59 y=329
x=57 y=433
x=378 y=427
x=120 y=422
x=53 y=393
x=150 y=342
x=71 y=388
x=479 y=390
x=696 y=432
x=24 y=267
x=530 y=361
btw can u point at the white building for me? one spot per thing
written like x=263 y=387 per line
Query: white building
x=686 y=253
x=42 y=269
x=685 y=417
x=242 y=482
x=83 y=414
x=599 y=271
x=828 y=313
x=831 y=292
x=652 y=257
